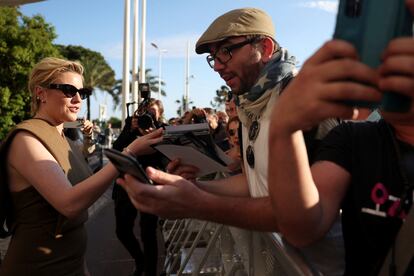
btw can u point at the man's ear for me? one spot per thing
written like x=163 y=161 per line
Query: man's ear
x=268 y=46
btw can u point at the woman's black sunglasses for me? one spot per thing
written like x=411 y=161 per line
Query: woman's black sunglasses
x=70 y=90
x=232 y=132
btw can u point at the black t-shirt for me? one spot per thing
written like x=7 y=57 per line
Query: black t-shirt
x=366 y=150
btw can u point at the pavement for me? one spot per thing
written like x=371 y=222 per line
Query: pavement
x=105 y=255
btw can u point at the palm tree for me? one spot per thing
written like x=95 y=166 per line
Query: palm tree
x=221 y=96
x=116 y=89
x=182 y=105
x=97 y=75
x=153 y=81
x=97 y=72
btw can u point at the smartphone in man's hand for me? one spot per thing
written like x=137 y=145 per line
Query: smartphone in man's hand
x=370 y=25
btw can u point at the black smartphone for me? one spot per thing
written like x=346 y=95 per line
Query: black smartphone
x=127 y=164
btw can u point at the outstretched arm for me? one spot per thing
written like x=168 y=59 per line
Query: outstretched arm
x=175 y=197
x=30 y=163
x=306 y=202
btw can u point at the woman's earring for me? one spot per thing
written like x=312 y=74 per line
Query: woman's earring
x=38 y=99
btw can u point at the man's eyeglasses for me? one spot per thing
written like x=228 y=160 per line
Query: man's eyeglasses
x=70 y=90
x=223 y=54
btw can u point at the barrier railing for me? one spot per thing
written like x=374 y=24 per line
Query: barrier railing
x=200 y=247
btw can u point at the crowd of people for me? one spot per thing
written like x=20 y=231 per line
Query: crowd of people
x=343 y=212
x=337 y=190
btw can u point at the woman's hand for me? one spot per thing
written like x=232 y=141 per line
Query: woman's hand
x=173 y=197
x=186 y=171
x=87 y=128
x=234 y=153
x=142 y=145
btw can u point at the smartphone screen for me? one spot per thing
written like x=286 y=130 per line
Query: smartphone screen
x=127 y=164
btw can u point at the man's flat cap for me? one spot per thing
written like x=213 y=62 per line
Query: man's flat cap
x=239 y=22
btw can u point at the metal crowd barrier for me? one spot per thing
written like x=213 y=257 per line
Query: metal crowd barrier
x=204 y=248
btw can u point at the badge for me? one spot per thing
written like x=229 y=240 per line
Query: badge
x=250 y=156
x=254 y=130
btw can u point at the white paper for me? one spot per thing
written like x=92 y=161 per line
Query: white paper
x=191 y=156
x=186 y=128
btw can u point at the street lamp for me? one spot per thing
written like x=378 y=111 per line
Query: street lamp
x=187 y=92
x=160 y=51
x=187 y=78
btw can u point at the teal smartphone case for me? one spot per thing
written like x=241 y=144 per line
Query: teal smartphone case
x=369 y=25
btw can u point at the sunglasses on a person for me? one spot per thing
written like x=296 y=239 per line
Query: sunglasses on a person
x=232 y=132
x=70 y=90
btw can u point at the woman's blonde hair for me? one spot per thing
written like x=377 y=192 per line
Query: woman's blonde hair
x=46 y=72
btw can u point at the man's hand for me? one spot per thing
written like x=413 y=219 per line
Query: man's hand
x=173 y=197
x=397 y=72
x=327 y=79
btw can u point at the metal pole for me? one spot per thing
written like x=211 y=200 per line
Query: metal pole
x=159 y=74
x=134 y=78
x=125 y=70
x=160 y=51
x=187 y=76
x=159 y=68
x=143 y=35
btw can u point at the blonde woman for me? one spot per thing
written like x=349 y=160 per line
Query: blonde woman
x=47 y=190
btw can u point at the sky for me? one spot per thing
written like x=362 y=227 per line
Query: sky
x=302 y=26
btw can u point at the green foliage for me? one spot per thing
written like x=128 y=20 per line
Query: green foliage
x=116 y=91
x=116 y=122
x=23 y=42
x=221 y=96
x=181 y=105
x=153 y=82
x=97 y=73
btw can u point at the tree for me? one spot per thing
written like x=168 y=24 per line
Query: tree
x=115 y=122
x=153 y=82
x=221 y=96
x=116 y=90
x=97 y=72
x=182 y=105
x=23 y=42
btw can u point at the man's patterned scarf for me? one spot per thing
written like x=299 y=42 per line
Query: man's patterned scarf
x=273 y=78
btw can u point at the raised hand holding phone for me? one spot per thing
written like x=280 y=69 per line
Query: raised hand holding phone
x=370 y=25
